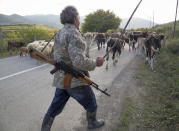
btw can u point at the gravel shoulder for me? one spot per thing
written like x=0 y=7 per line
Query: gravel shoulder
x=110 y=108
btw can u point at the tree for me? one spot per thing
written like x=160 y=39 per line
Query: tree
x=101 y=21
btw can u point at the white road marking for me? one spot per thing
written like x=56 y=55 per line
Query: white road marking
x=93 y=49
x=18 y=73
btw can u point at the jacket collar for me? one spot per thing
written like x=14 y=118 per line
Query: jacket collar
x=69 y=25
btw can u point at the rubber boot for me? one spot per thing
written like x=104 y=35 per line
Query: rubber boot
x=47 y=123
x=92 y=122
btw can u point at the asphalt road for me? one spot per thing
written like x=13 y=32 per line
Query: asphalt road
x=26 y=92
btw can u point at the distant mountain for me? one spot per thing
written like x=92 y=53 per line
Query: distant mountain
x=12 y=19
x=51 y=20
x=137 y=23
x=54 y=21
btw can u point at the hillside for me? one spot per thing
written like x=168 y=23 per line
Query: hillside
x=51 y=20
x=168 y=26
x=12 y=19
x=168 y=29
x=54 y=20
x=137 y=23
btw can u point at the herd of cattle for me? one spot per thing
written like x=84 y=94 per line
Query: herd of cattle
x=148 y=43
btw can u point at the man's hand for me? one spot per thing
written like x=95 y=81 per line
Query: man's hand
x=99 y=61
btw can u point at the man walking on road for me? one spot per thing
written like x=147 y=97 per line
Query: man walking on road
x=70 y=48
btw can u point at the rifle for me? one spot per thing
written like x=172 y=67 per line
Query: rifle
x=70 y=72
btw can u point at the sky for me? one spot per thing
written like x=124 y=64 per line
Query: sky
x=162 y=11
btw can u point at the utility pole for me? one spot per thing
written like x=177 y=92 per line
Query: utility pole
x=0 y=39
x=150 y=25
x=175 y=20
x=34 y=32
x=129 y=25
x=153 y=19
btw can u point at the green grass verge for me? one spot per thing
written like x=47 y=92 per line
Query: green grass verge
x=5 y=53
x=157 y=106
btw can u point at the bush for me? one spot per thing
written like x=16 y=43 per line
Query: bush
x=173 y=47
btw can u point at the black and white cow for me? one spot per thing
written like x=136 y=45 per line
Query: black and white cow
x=116 y=50
x=152 y=46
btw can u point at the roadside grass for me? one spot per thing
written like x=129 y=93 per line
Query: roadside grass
x=156 y=108
x=5 y=53
x=25 y=33
x=127 y=113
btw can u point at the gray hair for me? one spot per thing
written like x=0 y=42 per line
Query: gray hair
x=68 y=14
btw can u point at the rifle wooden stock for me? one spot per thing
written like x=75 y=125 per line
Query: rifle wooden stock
x=68 y=77
x=85 y=80
x=41 y=57
x=67 y=80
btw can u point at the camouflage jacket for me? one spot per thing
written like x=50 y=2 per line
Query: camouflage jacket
x=70 y=47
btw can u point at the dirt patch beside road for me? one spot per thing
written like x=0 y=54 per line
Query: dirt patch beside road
x=109 y=108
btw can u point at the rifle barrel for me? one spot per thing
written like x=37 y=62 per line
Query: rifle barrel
x=97 y=88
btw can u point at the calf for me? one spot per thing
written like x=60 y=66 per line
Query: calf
x=23 y=51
